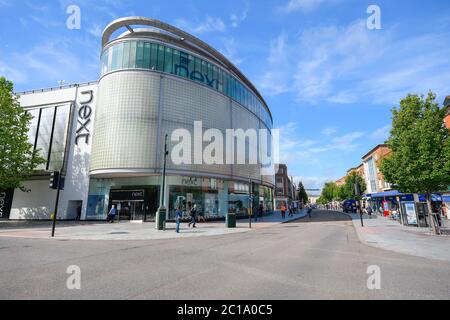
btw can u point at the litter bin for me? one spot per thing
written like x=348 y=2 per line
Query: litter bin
x=231 y=220
x=161 y=220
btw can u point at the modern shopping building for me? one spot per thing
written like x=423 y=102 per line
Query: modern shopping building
x=108 y=136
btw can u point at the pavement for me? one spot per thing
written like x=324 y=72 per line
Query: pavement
x=311 y=258
x=128 y=231
x=383 y=233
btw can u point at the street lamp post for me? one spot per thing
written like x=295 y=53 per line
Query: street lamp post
x=162 y=211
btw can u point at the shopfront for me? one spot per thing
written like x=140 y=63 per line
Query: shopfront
x=138 y=198
x=446 y=208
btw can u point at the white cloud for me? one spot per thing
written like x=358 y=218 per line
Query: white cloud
x=230 y=51
x=381 y=134
x=210 y=24
x=52 y=61
x=5 y=3
x=238 y=18
x=95 y=31
x=313 y=182
x=329 y=131
x=351 y=64
x=301 y=5
x=274 y=81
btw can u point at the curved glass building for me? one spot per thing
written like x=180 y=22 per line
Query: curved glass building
x=156 y=79
x=107 y=138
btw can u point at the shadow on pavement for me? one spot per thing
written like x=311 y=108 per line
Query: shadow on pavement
x=324 y=216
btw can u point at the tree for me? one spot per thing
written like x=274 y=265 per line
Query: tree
x=330 y=192
x=302 y=195
x=420 y=144
x=17 y=158
x=348 y=190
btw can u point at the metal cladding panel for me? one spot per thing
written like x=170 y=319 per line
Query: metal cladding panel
x=126 y=121
x=186 y=103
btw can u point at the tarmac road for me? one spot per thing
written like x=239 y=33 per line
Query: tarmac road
x=318 y=258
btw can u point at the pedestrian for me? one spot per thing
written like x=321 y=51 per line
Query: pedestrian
x=369 y=211
x=261 y=210
x=112 y=214
x=79 y=213
x=291 y=211
x=178 y=217
x=193 y=215
x=309 y=212
x=283 y=211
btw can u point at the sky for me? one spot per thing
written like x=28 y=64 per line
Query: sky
x=329 y=80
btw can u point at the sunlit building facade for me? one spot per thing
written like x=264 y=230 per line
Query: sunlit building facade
x=155 y=79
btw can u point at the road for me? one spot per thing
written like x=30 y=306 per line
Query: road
x=318 y=258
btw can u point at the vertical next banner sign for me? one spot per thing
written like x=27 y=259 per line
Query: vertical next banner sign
x=6 y=198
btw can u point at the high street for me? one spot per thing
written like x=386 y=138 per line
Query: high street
x=318 y=258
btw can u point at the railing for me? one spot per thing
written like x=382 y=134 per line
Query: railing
x=69 y=86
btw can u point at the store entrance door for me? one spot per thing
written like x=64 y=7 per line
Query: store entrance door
x=130 y=210
x=129 y=204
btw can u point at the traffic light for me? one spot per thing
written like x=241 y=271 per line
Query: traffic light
x=54 y=180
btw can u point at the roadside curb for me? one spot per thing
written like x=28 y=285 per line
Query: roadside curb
x=358 y=234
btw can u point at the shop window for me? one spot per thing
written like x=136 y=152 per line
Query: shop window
x=140 y=55
x=160 y=62
x=168 y=61
x=147 y=53
x=153 y=56
x=126 y=55
x=133 y=49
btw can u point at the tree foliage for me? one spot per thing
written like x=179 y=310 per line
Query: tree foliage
x=302 y=195
x=420 y=144
x=348 y=190
x=330 y=192
x=17 y=158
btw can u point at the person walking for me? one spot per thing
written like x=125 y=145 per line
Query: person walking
x=112 y=214
x=261 y=210
x=291 y=211
x=369 y=211
x=79 y=213
x=309 y=212
x=193 y=215
x=283 y=211
x=178 y=217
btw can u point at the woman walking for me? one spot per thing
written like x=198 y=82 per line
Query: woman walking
x=178 y=217
x=283 y=211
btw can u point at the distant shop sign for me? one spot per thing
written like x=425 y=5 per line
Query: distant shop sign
x=407 y=197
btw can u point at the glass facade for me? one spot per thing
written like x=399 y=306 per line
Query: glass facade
x=48 y=134
x=214 y=197
x=134 y=54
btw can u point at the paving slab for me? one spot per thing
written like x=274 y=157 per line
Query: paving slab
x=381 y=232
x=142 y=231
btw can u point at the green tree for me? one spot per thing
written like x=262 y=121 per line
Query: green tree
x=302 y=195
x=17 y=158
x=348 y=190
x=420 y=144
x=330 y=192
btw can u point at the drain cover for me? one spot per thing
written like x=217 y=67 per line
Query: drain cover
x=119 y=233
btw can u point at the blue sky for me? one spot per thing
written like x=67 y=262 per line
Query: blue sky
x=329 y=80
